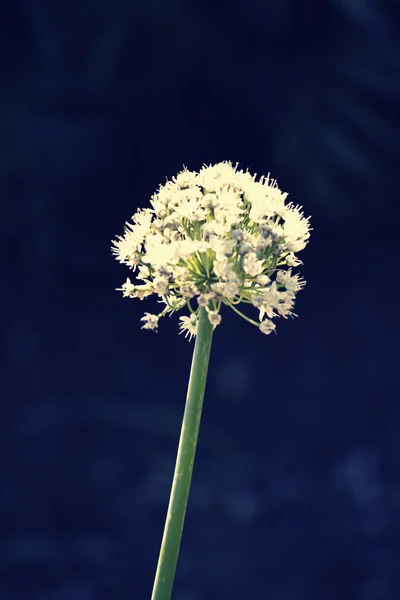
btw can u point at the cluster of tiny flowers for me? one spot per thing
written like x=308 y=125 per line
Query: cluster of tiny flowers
x=211 y=238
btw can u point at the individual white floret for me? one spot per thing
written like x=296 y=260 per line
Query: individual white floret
x=296 y=229
x=150 y=321
x=214 y=177
x=126 y=249
x=228 y=210
x=188 y=290
x=291 y=282
x=159 y=253
x=185 y=178
x=160 y=286
x=135 y=291
x=189 y=325
x=266 y=202
x=128 y=289
x=223 y=248
x=203 y=299
x=292 y=261
x=143 y=273
x=285 y=305
x=263 y=280
x=230 y=289
x=251 y=265
x=214 y=317
x=267 y=326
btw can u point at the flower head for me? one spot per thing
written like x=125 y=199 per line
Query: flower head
x=215 y=237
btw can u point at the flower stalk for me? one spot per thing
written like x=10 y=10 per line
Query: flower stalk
x=171 y=540
x=211 y=238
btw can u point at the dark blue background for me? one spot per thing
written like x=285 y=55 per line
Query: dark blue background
x=296 y=488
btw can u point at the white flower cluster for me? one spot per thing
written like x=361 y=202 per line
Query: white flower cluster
x=211 y=238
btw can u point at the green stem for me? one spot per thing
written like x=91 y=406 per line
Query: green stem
x=170 y=544
x=242 y=315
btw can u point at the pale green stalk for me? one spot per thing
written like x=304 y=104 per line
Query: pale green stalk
x=170 y=544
